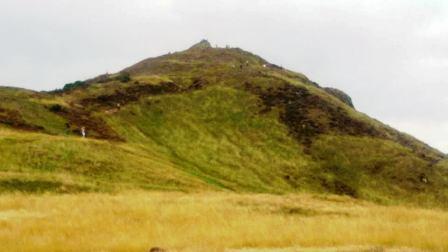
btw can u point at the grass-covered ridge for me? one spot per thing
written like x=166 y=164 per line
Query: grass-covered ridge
x=209 y=119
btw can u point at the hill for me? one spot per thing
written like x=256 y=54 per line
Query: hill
x=210 y=119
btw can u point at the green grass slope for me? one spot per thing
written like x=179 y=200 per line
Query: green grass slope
x=37 y=163
x=210 y=119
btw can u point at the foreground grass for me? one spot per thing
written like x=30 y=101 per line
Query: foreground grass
x=137 y=221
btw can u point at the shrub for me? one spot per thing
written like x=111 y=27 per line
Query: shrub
x=56 y=108
x=70 y=86
x=124 y=77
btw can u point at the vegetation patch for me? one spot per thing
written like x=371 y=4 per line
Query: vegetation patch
x=308 y=115
x=129 y=94
x=78 y=118
x=73 y=85
x=13 y=119
x=39 y=186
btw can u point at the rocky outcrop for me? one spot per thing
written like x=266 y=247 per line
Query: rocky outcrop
x=203 y=44
x=345 y=98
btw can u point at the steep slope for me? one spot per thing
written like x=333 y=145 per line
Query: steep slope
x=210 y=119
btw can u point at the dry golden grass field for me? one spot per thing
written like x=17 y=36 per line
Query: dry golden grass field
x=138 y=221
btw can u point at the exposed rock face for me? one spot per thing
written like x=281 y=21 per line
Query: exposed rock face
x=345 y=98
x=204 y=44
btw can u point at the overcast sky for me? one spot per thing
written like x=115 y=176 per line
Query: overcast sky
x=390 y=56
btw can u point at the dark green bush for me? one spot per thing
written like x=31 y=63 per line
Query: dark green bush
x=124 y=77
x=70 y=86
x=56 y=108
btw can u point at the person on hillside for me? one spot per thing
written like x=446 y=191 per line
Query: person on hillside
x=83 y=132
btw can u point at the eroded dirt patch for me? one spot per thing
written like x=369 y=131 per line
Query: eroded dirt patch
x=14 y=119
x=77 y=118
x=307 y=115
x=130 y=94
x=133 y=93
x=80 y=113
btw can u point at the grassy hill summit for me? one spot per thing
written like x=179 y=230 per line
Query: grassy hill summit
x=218 y=119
